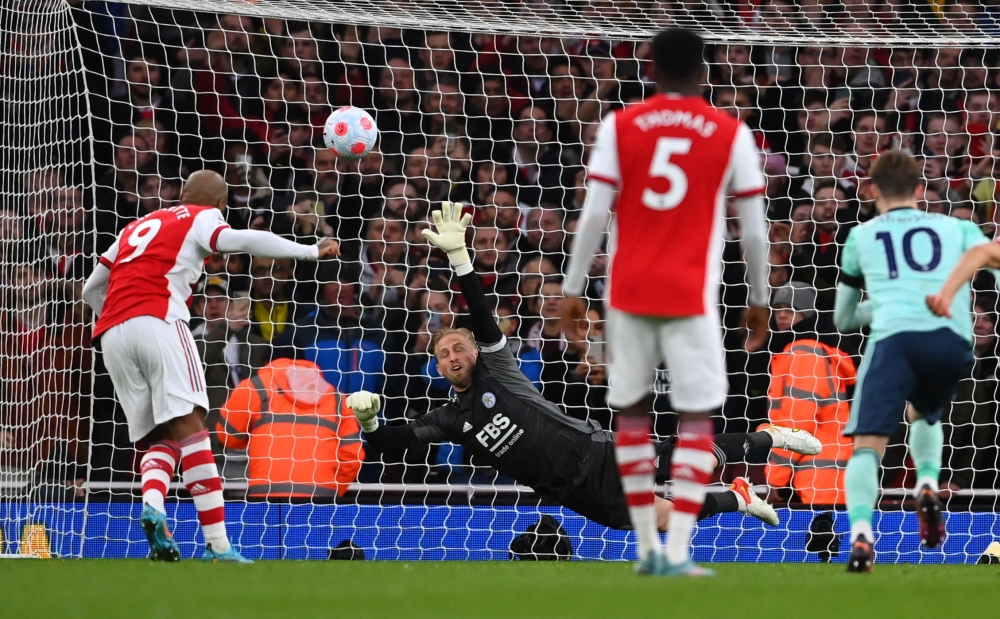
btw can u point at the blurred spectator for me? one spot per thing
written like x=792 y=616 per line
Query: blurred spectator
x=541 y=168
x=383 y=259
x=230 y=351
x=494 y=261
x=971 y=438
x=212 y=299
x=301 y=439
x=45 y=362
x=272 y=311
x=348 y=350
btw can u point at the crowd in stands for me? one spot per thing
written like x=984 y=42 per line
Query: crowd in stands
x=505 y=125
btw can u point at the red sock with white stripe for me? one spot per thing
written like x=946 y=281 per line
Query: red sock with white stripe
x=157 y=469
x=691 y=470
x=637 y=468
x=201 y=477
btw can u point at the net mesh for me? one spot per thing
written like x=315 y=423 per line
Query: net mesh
x=496 y=105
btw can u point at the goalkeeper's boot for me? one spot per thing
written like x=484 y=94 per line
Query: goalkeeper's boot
x=862 y=556
x=162 y=546
x=756 y=506
x=230 y=556
x=929 y=514
x=799 y=441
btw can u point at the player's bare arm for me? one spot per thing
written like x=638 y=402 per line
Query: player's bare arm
x=982 y=256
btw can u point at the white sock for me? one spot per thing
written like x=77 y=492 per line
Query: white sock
x=862 y=528
x=930 y=482
x=742 y=502
x=678 y=544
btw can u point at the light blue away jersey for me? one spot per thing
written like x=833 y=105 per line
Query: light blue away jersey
x=903 y=256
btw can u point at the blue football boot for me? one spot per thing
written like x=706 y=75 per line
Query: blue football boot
x=162 y=546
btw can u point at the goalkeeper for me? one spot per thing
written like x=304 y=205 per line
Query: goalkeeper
x=500 y=417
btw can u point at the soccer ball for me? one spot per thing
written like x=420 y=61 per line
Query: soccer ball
x=350 y=132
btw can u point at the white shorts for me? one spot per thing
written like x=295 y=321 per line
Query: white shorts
x=690 y=346
x=156 y=371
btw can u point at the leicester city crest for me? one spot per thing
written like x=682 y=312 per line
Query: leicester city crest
x=489 y=400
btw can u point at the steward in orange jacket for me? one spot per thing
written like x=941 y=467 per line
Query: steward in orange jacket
x=809 y=381
x=301 y=438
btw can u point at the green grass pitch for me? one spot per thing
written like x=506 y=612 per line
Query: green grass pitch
x=298 y=589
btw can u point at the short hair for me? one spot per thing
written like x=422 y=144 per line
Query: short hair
x=826 y=183
x=821 y=139
x=678 y=53
x=859 y=116
x=444 y=332
x=896 y=174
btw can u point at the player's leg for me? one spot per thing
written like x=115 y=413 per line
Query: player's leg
x=861 y=486
x=180 y=403
x=740 y=496
x=941 y=359
x=634 y=355
x=123 y=358
x=695 y=359
x=884 y=381
x=926 y=443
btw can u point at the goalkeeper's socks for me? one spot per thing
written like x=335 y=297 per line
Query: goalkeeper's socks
x=926 y=445
x=636 y=466
x=157 y=469
x=734 y=447
x=720 y=503
x=201 y=477
x=861 y=484
x=691 y=470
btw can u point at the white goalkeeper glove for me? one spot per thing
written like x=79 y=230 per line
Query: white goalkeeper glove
x=450 y=235
x=365 y=405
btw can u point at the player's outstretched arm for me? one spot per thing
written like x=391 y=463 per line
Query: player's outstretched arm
x=96 y=288
x=985 y=255
x=366 y=405
x=449 y=237
x=268 y=245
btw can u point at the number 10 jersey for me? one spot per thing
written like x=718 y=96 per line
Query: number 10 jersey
x=902 y=256
x=674 y=161
x=155 y=263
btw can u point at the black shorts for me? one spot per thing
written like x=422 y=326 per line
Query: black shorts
x=922 y=368
x=599 y=496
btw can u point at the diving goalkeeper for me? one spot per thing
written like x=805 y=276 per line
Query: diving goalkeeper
x=501 y=418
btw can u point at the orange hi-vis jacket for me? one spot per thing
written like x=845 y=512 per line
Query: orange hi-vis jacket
x=301 y=438
x=809 y=382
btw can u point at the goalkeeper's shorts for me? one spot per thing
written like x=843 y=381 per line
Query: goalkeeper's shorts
x=600 y=496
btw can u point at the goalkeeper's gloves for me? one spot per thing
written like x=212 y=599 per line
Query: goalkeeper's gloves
x=450 y=235
x=365 y=405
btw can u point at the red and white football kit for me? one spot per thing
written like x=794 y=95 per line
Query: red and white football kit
x=673 y=160
x=150 y=272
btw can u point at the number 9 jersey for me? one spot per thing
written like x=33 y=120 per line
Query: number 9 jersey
x=155 y=263
x=674 y=160
x=902 y=256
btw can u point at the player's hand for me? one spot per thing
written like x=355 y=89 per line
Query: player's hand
x=366 y=406
x=328 y=248
x=940 y=304
x=450 y=224
x=574 y=314
x=755 y=321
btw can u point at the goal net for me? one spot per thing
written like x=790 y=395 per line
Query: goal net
x=495 y=104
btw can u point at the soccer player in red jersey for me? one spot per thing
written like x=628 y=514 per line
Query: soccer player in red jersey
x=664 y=168
x=140 y=293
